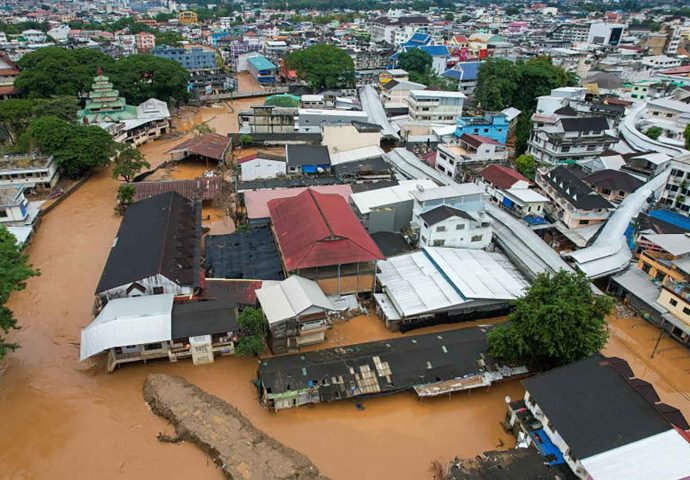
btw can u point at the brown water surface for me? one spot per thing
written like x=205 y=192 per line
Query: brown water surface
x=63 y=419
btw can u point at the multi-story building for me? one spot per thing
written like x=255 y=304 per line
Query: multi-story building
x=8 y=73
x=435 y=106
x=28 y=170
x=145 y=42
x=569 y=139
x=676 y=193
x=396 y=30
x=446 y=226
x=573 y=202
x=195 y=58
x=13 y=206
x=262 y=69
x=187 y=17
x=494 y=126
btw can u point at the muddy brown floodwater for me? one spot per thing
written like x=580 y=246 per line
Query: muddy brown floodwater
x=61 y=419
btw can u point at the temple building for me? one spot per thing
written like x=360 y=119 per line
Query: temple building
x=126 y=123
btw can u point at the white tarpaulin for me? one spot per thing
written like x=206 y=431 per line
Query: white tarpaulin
x=128 y=321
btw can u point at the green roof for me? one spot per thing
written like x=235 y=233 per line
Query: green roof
x=283 y=100
x=262 y=63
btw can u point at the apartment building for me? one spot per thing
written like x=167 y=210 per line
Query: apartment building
x=435 y=106
x=569 y=139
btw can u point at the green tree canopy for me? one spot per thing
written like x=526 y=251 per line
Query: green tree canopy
x=653 y=132
x=559 y=321
x=252 y=332
x=140 y=77
x=526 y=165
x=14 y=271
x=58 y=71
x=53 y=71
x=415 y=61
x=16 y=113
x=502 y=83
x=76 y=148
x=129 y=162
x=686 y=136
x=323 y=66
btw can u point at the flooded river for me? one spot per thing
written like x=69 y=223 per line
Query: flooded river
x=60 y=419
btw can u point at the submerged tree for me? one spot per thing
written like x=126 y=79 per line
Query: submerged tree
x=125 y=196
x=559 y=321
x=14 y=271
x=252 y=332
x=128 y=163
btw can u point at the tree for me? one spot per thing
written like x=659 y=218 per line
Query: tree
x=252 y=332
x=14 y=271
x=245 y=140
x=16 y=114
x=202 y=129
x=58 y=71
x=125 y=195
x=653 y=132
x=129 y=162
x=449 y=17
x=169 y=37
x=526 y=165
x=686 y=136
x=323 y=66
x=496 y=84
x=76 y=148
x=415 y=61
x=559 y=321
x=140 y=77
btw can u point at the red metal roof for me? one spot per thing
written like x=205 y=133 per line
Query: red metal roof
x=202 y=188
x=477 y=140
x=502 y=177
x=256 y=201
x=317 y=230
x=210 y=145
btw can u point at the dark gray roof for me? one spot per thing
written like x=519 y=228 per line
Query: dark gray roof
x=298 y=155
x=593 y=407
x=206 y=317
x=567 y=111
x=515 y=463
x=443 y=212
x=390 y=84
x=158 y=235
x=287 y=182
x=369 y=165
x=366 y=127
x=390 y=243
x=451 y=354
x=613 y=180
x=251 y=254
x=574 y=190
x=584 y=124
x=367 y=186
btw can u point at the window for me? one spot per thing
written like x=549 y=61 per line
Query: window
x=460 y=226
x=153 y=346
x=476 y=238
x=673 y=302
x=686 y=311
x=439 y=243
x=565 y=149
x=157 y=290
x=441 y=228
x=606 y=191
x=591 y=148
x=3 y=213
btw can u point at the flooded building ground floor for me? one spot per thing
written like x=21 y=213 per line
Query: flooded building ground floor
x=432 y=365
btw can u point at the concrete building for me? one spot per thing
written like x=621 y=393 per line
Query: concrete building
x=573 y=202
x=13 y=206
x=494 y=126
x=310 y=120
x=446 y=226
x=435 y=106
x=195 y=58
x=28 y=170
x=396 y=30
x=262 y=69
x=145 y=42
x=388 y=209
x=342 y=137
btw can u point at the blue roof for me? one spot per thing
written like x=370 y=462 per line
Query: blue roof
x=435 y=50
x=453 y=74
x=674 y=218
x=261 y=63
x=470 y=69
x=419 y=38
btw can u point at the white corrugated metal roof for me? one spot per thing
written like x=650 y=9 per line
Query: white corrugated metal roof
x=448 y=191
x=361 y=153
x=365 y=201
x=664 y=456
x=439 y=278
x=292 y=296
x=676 y=244
x=128 y=321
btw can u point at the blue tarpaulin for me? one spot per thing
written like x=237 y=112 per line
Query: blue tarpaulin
x=668 y=216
